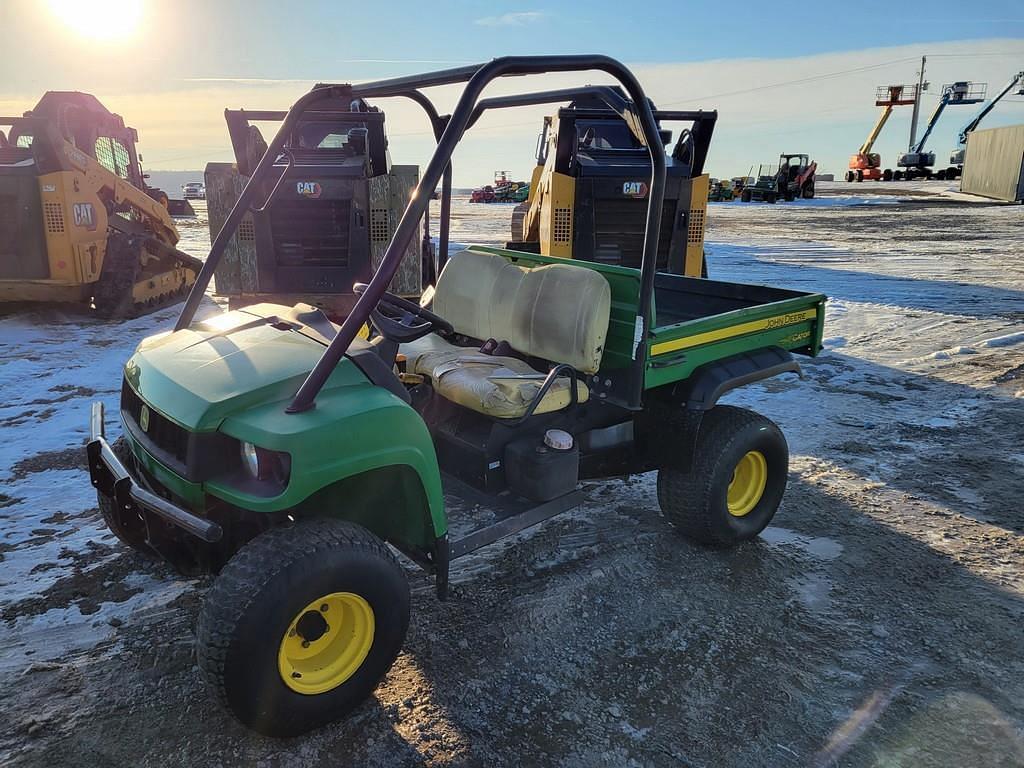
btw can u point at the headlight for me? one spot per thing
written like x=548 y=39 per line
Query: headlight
x=263 y=464
x=250 y=460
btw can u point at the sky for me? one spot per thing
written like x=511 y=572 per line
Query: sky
x=785 y=76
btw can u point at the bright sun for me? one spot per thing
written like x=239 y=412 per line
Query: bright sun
x=100 y=20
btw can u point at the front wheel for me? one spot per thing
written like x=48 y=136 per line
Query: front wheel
x=735 y=483
x=302 y=624
x=745 y=196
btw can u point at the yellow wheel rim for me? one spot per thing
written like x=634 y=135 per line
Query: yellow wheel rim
x=325 y=643
x=748 y=482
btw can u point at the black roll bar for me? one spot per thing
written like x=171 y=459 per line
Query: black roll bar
x=476 y=79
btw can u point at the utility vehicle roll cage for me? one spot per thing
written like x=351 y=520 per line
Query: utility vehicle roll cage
x=448 y=131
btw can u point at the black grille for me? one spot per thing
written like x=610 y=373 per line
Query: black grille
x=8 y=224
x=161 y=432
x=11 y=155
x=619 y=229
x=321 y=157
x=311 y=233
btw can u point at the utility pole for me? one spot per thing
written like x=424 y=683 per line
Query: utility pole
x=921 y=85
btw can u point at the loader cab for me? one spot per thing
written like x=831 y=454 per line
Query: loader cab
x=101 y=134
x=588 y=196
x=326 y=211
x=791 y=166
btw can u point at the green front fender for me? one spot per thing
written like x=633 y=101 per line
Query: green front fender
x=361 y=454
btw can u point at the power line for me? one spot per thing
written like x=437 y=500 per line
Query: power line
x=800 y=81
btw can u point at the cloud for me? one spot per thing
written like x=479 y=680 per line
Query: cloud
x=519 y=19
x=821 y=104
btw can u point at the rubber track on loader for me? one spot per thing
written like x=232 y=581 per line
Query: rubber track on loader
x=122 y=267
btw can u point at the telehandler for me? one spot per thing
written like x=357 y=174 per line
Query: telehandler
x=279 y=450
x=78 y=223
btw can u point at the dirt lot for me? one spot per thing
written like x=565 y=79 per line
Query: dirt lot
x=878 y=622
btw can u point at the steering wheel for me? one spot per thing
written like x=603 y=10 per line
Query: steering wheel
x=396 y=318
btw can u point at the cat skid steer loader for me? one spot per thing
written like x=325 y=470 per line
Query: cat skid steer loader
x=588 y=194
x=78 y=224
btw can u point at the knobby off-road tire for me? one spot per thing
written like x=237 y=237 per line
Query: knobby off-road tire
x=123 y=523
x=697 y=502
x=264 y=595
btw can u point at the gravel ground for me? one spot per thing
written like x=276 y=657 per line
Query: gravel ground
x=876 y=623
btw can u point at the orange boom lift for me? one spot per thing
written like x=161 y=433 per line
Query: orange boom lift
x=867 y=164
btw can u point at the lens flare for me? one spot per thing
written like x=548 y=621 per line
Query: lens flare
x=100 y=20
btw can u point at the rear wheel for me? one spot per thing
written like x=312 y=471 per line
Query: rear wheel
x=887 y=174
x=860 y=175
x=770 y=197
x=735 y=483
x=850 y=176
x=745 y=196
x=808 y=190
x=302 y=624
x=123 y=523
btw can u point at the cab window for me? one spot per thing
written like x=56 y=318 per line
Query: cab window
x=605 y=134
x=113 y=155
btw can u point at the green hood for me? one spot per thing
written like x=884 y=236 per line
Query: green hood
x=257 y=355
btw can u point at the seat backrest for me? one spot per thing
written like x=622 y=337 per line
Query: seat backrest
x=557 y=312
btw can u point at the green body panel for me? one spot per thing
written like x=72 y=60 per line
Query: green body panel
x=802 y=336
x=197 y=378
x=353 y=429
x=240 y=381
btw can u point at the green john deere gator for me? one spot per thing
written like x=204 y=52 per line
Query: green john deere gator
x=287 y=455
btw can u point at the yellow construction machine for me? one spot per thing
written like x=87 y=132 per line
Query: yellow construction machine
x=588 y=192
x=78 y=224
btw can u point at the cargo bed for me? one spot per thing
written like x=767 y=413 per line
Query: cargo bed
x=696 y=320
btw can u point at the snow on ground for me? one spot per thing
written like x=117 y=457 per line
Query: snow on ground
x=53 y=364
x=909 y=424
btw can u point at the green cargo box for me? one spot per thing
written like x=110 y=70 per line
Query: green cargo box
x=697 y=320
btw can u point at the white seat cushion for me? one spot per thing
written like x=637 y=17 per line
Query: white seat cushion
x=501 y=387
x=557 y=312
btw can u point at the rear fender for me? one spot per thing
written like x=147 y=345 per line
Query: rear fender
x=701 y=391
